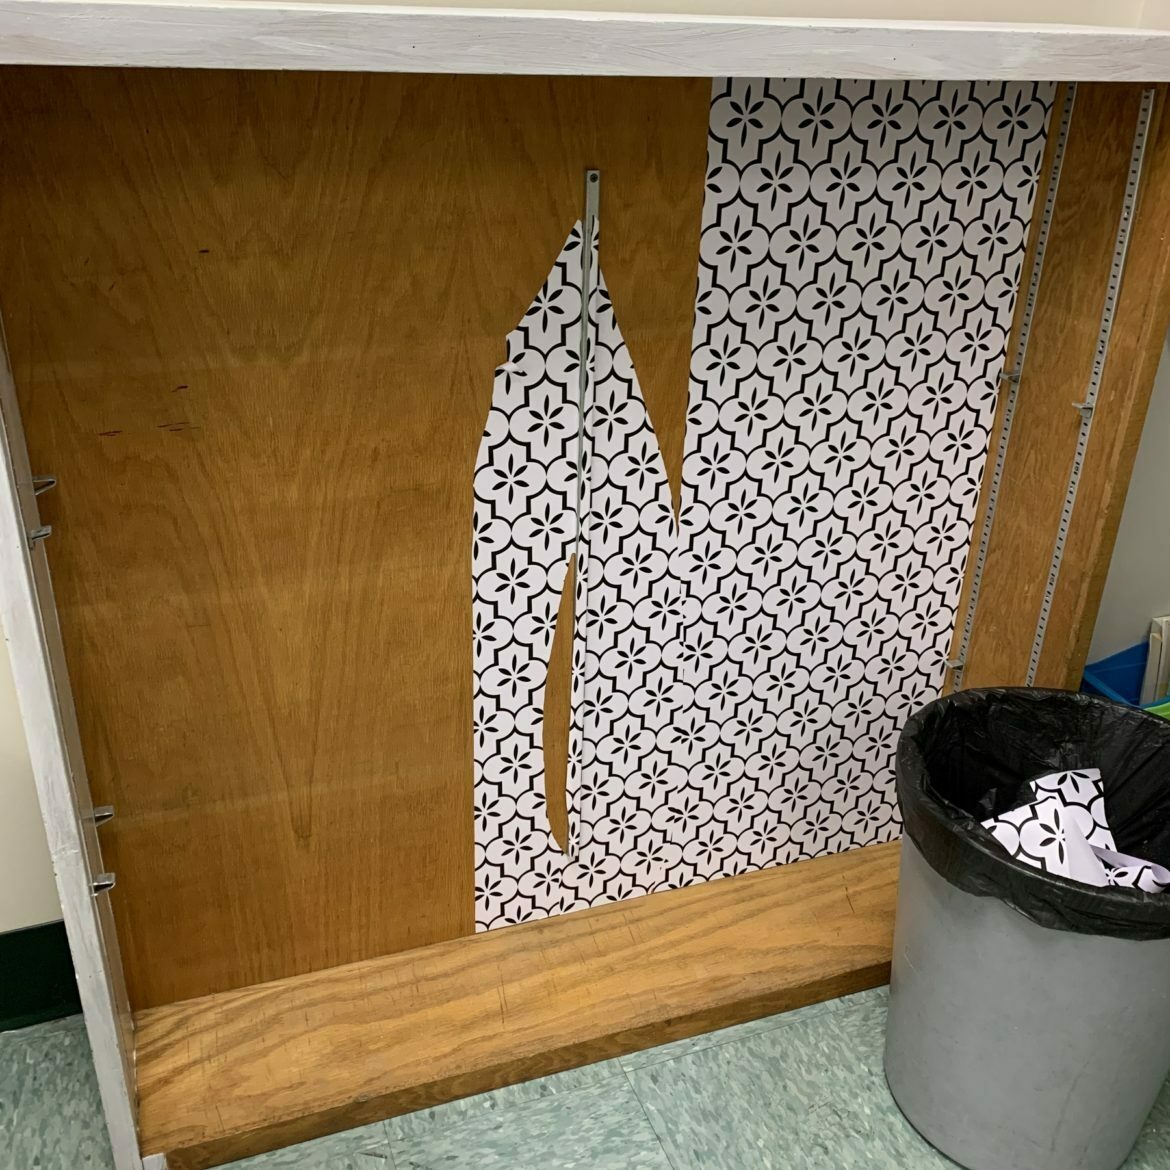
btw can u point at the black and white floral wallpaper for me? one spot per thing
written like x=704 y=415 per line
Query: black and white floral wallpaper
x=740 y=675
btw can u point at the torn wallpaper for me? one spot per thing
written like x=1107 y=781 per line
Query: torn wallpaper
x=740 y=676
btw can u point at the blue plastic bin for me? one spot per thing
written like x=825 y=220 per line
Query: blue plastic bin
x=1119 y=677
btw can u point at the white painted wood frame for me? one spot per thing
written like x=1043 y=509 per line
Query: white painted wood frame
x=304 y=34
x=28 y=618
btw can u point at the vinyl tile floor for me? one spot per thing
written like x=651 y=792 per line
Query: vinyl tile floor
x=799 y=1091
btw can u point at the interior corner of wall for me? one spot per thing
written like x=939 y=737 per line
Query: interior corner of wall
x=1154 y=14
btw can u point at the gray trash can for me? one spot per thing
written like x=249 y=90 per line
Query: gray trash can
x=1029 y=1022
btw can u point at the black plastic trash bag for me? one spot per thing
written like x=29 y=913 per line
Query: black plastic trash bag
x=971 y=756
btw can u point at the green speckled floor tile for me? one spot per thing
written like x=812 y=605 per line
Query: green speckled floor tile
x=419 y=1125
x=601 y=1127
x=741 y=1031
x=807 y=1096
x=1152 y=1151
x=50 y=1112
x=354 y=1149
x=799 y=1091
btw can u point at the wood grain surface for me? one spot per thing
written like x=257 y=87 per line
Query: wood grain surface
x=233 y=1074
x=1135 y=349
x=1056 y=374
x=558 y=712
x=253 y=321
x=1018 y=316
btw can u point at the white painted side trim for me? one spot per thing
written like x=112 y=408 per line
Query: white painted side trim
x=287 y=34
x=28 y=621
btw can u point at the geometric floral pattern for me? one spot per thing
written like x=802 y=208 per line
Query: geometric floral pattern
x=1130 y=873
x=1043 y=835
x=524 y=531
x=1063 y=830
x=1082 y=793
x=740 y=675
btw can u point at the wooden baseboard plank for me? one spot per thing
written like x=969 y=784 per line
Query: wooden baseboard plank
x=255 y=1069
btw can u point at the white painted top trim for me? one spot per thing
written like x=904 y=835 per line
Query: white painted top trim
x=289 y=34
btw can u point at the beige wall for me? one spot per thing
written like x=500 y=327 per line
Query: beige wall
x=27 y=891
x=1155 y=14
x=1138 y=585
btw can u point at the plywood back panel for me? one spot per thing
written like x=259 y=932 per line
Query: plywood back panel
x=253 y=322
x=1135 y=348
x=1063 y=339
x=223 y=1077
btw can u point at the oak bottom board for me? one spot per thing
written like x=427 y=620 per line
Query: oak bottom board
x=245 y=1071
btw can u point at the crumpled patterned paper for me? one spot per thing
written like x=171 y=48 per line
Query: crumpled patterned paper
x=1063 y=830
